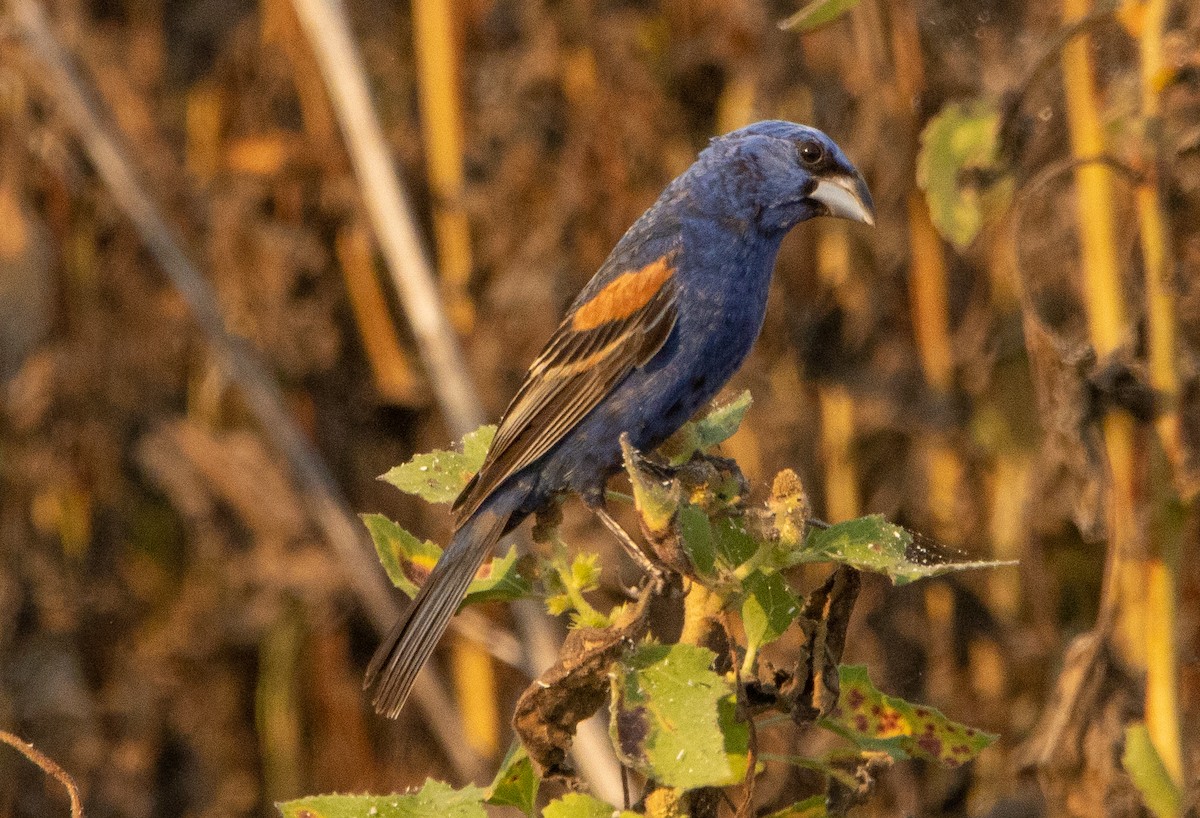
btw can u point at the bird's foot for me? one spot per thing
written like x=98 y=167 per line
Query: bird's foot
x=657 y=577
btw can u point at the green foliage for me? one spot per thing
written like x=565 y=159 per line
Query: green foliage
x=816 y=14
x=873 y=544
x=960 y=139
x=434 y=800
x=713 y=429
x=679 y=711
x=439 y=476
x=516 y=783
x=578 y=805
x=674 y=719
x=767 y=610
x=876 y=721
x=1144 y=765
x=408 y=560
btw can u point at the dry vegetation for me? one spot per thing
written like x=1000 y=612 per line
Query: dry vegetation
x=174 y=629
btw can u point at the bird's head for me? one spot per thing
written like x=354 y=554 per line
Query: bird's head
x=776 y=174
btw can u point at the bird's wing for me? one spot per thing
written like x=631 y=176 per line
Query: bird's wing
x=602 y=339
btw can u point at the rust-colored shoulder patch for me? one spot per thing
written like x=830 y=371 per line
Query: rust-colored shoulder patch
x=624 y=296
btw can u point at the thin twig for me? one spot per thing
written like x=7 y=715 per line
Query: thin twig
x=328 y=31
x=240 y=364
x=49 y=766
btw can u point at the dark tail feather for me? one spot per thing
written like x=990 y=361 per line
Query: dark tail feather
x=402 y=654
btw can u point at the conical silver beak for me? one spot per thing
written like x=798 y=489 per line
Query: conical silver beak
x=846 y=197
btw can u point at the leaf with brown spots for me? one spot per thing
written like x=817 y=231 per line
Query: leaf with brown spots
x=875 y=721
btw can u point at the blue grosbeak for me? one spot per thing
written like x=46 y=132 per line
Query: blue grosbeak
x=654 y=335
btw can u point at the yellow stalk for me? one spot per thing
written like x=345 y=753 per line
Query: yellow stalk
x=392 y=370
x=474 y=685
x=434 y=40
x=278 y=705
x=1093 y=184
x=434 y=32
x=930 y=305
x=1162 y=698
x=1128 y=578
x=837 y=437
x=928 y=296
x=1162 y=661
x=1007 y=527
x=842 y=501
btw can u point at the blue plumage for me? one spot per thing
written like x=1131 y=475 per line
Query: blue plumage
x=655 y=334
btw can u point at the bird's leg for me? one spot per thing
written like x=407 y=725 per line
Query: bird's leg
x=631 y=548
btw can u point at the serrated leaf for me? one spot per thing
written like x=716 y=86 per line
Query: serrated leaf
x=873 y=544
x=816 y=14
x=408 y=561
x=516 y=783
x=579 y=805
x=711 y=430
x=768 y=608
x=434 y=800
x=406 y=558
x=439 y=476
x=808 y=808
x=675 y=720
x=875 y=721
x=1145 y=766
x=962 y=137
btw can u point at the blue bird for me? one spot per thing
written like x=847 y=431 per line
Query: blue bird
x=655 y=334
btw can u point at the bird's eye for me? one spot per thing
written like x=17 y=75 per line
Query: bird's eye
x=811 y=153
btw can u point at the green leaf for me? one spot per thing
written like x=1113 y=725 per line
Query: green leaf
x=734 y=544
x=439 y=476
x=502 y=580
x=962 y=137
x=696 y=532
x=713 y=429
x=434 y=800
x=675 y=720
x=876 y=721
x=578 y=805
x=406 y=559
x=813 y=807
x=516 y=783
x=816 y=14
x=767 y=610
x=1144 y=765
x=873 y=544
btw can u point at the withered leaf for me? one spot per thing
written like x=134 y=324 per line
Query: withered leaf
x=825 y=618
x=572 y=690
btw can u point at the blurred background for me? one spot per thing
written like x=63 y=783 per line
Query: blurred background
x=1009 y=362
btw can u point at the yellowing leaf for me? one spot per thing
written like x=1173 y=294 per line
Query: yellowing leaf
x=876 y=721
x=961 y=138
